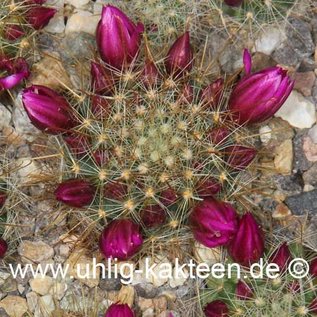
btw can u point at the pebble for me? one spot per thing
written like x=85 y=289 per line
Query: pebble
x=265 y=134
x=15 y=306
x=312 y=133
x=32 y=301
x=35 y=251
x=304 y=83
x=41 y=285
x=304 y=203
x=270 y=39
x=281 y=212
x=82 y=21
x=283 y=160
x=298 y=111
x=27 y=169
x=310 y=149
x=310 y=176
x=46 y=306
x=77 y=3
x=5 y=117
x=207 y=255
x=56 y=24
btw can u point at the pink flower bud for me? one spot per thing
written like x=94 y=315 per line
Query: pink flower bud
x=180 y=56
x=119 y=310
x=101 y=157
x=208 y=188
x=16 y=70
x=13 y=32
x=214 y=223
x=100 y=107
x=3 y=198
x=211 y=95
x=233 y=3
x=153 y=216
x=121 y=239
x=218 y=135
x=102 y=80
x=247 y=247
x=3 y=247
x=168 y=196
x=313 y=307
x=75 y=192
x=47 y=110
x=78 y=144
x=187 y=95
x=243 y=291
x=217 y=308
x=118 y=38
x=313 y=268
x=282 y=257
x=38 y=17
x=115 y=190
x=239 y=157
x=150 y=74
x=257 y=97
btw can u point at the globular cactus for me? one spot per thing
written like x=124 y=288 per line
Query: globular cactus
x=287 y=294
x=149 y=139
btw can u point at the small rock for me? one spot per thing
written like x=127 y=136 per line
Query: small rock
x=281 y=212
x=312 y=133
x=281 y=131
x=27 y=169
x=32 y=300
x=110 y=284
x=41 y=285
x=46 y=306
x=298 y=111
x=81 y=268
x=301 y=162
x=49 y=71
x=14 y=306
x=178 y=278
x=77 y=3
x=304 y=83
x=207 y=255
x=5 y=117
x=304 y=203
x=283 y=160
x=35 y=252
x=148 y=313
x=265 y=134
x=82 y=21
x=308 y=188
x=310 y=176
x=269 y=40
x=285 y=55
x=289 y=185
x=310 y=149
x=56 y=24
x=58 y=290
x=160 y=304
x=145 y=303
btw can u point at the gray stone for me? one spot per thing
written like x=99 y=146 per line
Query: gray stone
x=290 y=184
x=110 y=284
x=304 y=203
x=300 y=162
x=285 y=55
x=310 y=176
x=146 y=290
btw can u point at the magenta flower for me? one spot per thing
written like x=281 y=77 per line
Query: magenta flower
x=217 y=308
x=247 y=247
x=100 y=107
x=115 y=190
x=313 y=268
x=75 y=192
x=214 y=223
x=153 y=216
x=120 y=239
x=16 y=70
x=38 y=17
x=3 y=198
x=3 y=247
x=233 y=3
x=13 y=32
x=47 y=110
x=282 y=257
x=258 y=96
x=243 y=291
x=119 y=310
x=211 y=95
x=102 y=80
x=239 y=157
x=150 y=74
x=118 y=38
x=180 y=56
